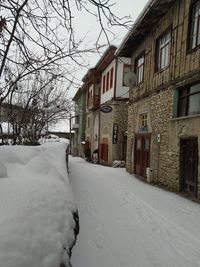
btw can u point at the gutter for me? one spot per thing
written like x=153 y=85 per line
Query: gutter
x=145 y=10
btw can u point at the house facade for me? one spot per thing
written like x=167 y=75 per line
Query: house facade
x=91 y=86
x=78 y=123
x=106 y=113
x=163 y=142
x=114 y=111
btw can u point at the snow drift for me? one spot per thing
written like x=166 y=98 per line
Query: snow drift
x=36 y=206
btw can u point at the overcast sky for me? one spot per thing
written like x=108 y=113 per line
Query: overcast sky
x=85 y=24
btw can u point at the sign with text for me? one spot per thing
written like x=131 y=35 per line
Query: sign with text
x=115 y=133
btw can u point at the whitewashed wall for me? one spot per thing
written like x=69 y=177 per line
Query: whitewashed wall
x=121 y=91
x=110 y=93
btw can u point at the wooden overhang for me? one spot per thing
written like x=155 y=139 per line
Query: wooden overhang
x=106 y=59
x=151 y=14
x=94 y=74
x=77 y=95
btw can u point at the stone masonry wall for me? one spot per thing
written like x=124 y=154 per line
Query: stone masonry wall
x=164 y=161
x=119 y=115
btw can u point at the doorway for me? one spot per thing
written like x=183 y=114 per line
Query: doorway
x=142 y=153
x=189 y=165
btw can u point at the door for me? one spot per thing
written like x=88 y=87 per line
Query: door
x=142 y=153
x=189 y=165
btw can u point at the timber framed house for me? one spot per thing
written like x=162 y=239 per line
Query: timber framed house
x=164 y=104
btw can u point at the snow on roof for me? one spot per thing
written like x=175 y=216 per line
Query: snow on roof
x=36 y=205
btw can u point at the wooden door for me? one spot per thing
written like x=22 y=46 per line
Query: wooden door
x=104 y=152
x=189 y=165
x=142 y=153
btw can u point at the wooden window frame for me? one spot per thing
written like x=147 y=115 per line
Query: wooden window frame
x=111 y=77
x=144 y=120
x=139 y=67
x=186 y=97
x=160 y=49
x=190 y=47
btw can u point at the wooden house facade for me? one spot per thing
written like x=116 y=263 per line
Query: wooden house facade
x=164 y=105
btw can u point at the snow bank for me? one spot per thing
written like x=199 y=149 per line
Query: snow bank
x=36 y=206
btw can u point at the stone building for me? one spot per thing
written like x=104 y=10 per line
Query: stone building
x=91 y=86
x=113 y=111
x=106 y=109
x=164 y=105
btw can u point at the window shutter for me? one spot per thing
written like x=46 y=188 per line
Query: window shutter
x=175 y=103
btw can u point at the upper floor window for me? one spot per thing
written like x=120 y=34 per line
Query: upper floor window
x=163 y=51
x=104 y=84
x=139 y=68
x=195 y=25
x=189 y=100
x=111 y=78
x=107 y=81
x=127 y=69
x=90 y=94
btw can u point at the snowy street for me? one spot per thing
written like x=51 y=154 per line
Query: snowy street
x=127 y=223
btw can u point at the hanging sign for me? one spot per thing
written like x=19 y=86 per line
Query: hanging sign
x=106 y=108
x=115 y=133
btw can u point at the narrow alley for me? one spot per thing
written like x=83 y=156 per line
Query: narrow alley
x=127 y=223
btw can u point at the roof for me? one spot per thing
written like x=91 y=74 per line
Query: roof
x=106 y=58
x=101 y=65
x=77 y=95
x=151 y=14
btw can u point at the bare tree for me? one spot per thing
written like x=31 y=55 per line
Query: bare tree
x=37 y=36
x=38 y=103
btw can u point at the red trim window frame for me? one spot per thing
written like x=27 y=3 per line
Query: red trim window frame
x=111 y=77
x=107 y=80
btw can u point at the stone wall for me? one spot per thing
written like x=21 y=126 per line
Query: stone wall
x=163 y=161
x=119 y=116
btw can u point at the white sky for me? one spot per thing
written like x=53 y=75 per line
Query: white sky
x=86 y=24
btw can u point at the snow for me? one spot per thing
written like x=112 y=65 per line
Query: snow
x=36 y=205
x=125 y=222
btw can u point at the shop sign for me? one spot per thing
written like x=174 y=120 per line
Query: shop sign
x=115 y=133
x=106 y=108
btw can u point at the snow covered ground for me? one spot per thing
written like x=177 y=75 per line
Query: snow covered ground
x=127 y=223
x=36 y=205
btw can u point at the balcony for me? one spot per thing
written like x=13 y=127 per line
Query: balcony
x=93 y=102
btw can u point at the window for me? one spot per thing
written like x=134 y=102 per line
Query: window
x=143 y=120
x=189 y=100
x=111 y=78
x=195 y=25
x=139 y=68
x=163 y=51
x=107 y=81
x=104 y=84
x=127 y=69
